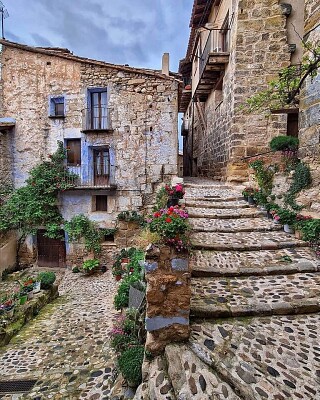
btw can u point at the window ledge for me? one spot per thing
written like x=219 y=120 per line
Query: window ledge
x=57 y=116
x=109 y=130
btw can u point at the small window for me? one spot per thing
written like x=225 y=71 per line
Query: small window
x=73 y=152
x=293 y=124
x=57 y=106
x=109 y=238
x=101 y=203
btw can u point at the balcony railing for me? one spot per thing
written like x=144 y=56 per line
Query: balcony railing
x=217 y=42
x=97 y=118
x=96 y=176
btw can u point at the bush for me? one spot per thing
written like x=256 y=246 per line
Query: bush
x=280 y=143
x=310 y=230
x=121 y=299
x=47 y=279
x=90 y=265
x=130 y=363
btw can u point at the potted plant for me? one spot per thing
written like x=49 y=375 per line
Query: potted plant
x=287 y=218
x=89 y=266
x=47 y=279
x=23 y=297
x=174 y=193
x=28 y=287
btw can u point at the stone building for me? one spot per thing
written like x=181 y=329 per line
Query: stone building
x=309 y=116
x=235 y=48
x=118 y=124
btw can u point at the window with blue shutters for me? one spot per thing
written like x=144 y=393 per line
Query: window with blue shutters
x=57 y=106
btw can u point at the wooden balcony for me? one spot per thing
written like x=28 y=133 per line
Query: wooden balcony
x=212 y=62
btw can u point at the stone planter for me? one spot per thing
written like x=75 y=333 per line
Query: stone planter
x=288 y=228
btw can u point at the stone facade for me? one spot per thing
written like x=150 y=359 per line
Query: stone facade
x=136 y=129
x=257 y=48
x=309 y=132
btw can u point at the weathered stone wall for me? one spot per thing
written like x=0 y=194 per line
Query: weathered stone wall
x=168 y=298
x=143 y=117
x=258 y=50
x=309 y=129
x=8 y=245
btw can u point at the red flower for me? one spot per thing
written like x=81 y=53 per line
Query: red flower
x=157 y=214
x=168 y=220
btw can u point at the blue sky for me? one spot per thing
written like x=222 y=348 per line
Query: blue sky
x=134 y=32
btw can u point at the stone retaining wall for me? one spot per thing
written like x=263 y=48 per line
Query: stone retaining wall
x=168 y=297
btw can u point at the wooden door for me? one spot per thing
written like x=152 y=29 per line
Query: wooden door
x=51 y=252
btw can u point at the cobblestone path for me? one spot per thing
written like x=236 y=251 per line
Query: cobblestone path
x=66 y=347
x=255 y=308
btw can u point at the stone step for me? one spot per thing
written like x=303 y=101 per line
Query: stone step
x=212 y=198
x=156 y=383
x=255 y=295
x=233 y=225
x=224 y=213
x=212 y=192
x=244 y=241
x=263 y=262
x=192 y=379
x=264 y=357
x=217 y=203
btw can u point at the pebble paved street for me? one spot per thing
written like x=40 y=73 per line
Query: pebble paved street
x=66 y=347
x=255 y=309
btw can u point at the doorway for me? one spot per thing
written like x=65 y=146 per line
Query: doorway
x=51 y=252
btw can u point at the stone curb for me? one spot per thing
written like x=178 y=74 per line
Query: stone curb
x=282 y=308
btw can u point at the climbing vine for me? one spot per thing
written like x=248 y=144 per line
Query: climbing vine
x=285 y=90
x=301 y=180
x=35 y=204
x=79 y=227
x=263 y=175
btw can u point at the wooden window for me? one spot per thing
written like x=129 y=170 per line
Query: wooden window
x=101 y=203
x=73 y=152
x=57 y=106
x=225 y=34
x=97 y=109
x=101 y=165
x=293 y=124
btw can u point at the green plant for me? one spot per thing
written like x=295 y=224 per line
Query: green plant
x=286 y=259
x=301 y=180
x=172 y=226
x=47 y=279
x=286 y=216
x=90 y=265
x=35 y=204
x=284 y=91
x=79 y=227
x=130 y=363
x=281 y=143
x=263 y=175
x=310 y=230
x=75 y=270
x=131 y=216
x=161 y=199
x=121 y=299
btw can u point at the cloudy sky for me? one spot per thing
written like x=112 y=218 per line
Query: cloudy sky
x=134 y=32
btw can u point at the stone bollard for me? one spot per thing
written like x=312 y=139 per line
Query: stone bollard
x=168 y=297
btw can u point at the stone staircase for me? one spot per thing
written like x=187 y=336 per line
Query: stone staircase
x=255 y=309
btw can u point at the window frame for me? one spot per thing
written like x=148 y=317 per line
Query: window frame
x=67 y=144
x=53 y=102
x=95 y=203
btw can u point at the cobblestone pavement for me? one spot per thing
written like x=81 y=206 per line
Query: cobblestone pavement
x=233 y=225
x=238 y=271
x=66 y=347
x=254 y=308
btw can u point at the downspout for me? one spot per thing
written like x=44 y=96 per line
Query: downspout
x=192 y=127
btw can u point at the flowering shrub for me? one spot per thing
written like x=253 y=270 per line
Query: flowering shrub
x=175 y=191
x=171 y=224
